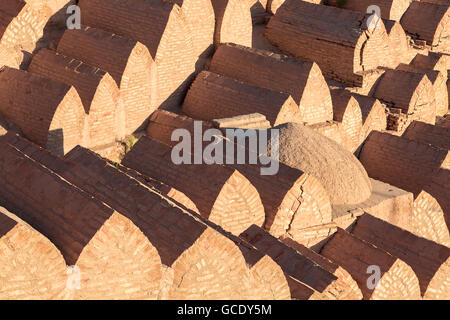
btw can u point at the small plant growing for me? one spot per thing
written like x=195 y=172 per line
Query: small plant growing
x=129 y=144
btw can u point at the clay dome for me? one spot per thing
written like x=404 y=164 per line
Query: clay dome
x=337 y=169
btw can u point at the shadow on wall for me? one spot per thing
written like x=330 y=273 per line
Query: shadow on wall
x=174 y=102
x=55 y=142
x=53 y=31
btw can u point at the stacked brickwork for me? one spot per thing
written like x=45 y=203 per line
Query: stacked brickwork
x=390 y=9
x=397 y=279
x=127 y=61
x=430 y=261
x=207 y=280
x=162 y=123
x=347 y=112
x=97 y=89
x=233 y=22
x=200 y=19
x=439 y=188
x=100 y=241
x=329 y=129
x=162 y=29
x=429 y=22
x=338 y=40
x=426 y=133
x=325 y=284
x=399 y=46
x=49 y=113
x=20 y=25
x=293 y=201
x=84 y=155
x=31 y=266
x=184 y=240
x=411 y=92
x=53 y=12
x=212 y=96
x=302 y=79
x=439 y=82
x=222 y=194
x=432 y=61
x=373 y=115
x=11 y=57
x=428 y=220
x=326 y=264
x=54 y=5
x=404 y=163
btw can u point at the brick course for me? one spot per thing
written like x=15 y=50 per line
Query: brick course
x=212 y=96
x=233 y=22
x=397 y=281
x=292 y=200
x=129 y=63
x=302 y=79
x=404 y=163
x=222 y=194
x=336 y=39
x=162 y=29
x=97 y=89
x=429 y=22
x=429 y=260
x=31 y=266
x=49 y=113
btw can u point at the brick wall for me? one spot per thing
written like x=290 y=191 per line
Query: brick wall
x=427 y=21
x=20 y=25
x=426 y=133
x=411 y=92
x=48 y=112
x=200 y=19
x=162 y=29
x=404 y=163
x=31 y=266
x=97 y=89
x=302 y=79
x=336 y=39
x=373 y=115
x=181 y=238
x=397 y=281
x=439 y=188
x=301 y=267
x=428 y=220
x=400 y=50
x=233 y=22
x=292 y=200
x=328 y=265
x=222 y=194
x=427 y=258
x=439 y=83
x=127 y=61
x=347 y=112
x=212 y=96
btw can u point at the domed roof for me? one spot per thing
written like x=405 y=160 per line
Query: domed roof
x=339 y=171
